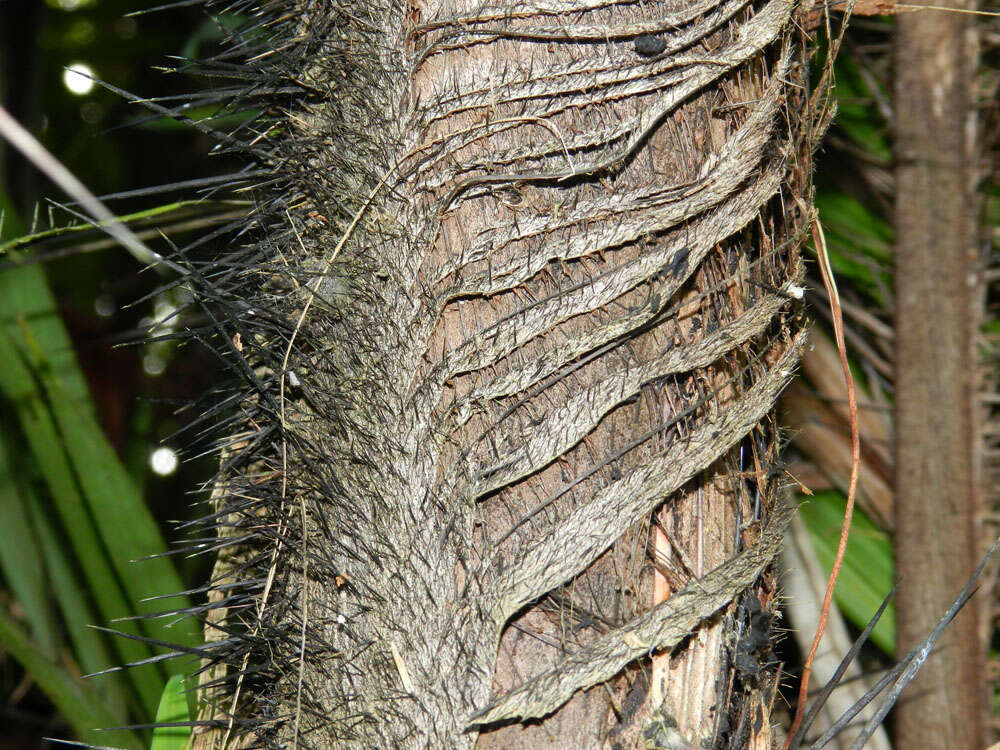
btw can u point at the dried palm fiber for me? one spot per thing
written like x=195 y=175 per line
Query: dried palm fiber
x=519 y=293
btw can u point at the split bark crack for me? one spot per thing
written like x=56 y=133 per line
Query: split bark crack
x=663 y=627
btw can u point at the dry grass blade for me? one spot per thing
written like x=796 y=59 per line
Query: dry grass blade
x=838 y=327
x=825 y=440
x=835 y=679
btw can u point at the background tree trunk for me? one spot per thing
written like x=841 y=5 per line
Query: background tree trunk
x=534 y=297
x=937 y=261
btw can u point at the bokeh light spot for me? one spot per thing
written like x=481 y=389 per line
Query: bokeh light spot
x=163 y=461
x=78 y=78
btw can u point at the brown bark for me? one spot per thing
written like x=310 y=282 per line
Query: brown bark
x=562 y=314
x=936 y=256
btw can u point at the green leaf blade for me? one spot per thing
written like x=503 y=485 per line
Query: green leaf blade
x=868 y=572
x=173 y=709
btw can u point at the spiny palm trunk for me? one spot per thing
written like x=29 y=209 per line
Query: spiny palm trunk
x=516 y=333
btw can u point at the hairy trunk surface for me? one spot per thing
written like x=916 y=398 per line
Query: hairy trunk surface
x=937 y=501
x=513 y=339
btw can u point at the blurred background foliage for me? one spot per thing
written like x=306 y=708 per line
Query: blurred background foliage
x=92 y=412
x=89 y=409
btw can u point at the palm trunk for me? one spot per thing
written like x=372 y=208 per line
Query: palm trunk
x=937 y=501
x=532 y=294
